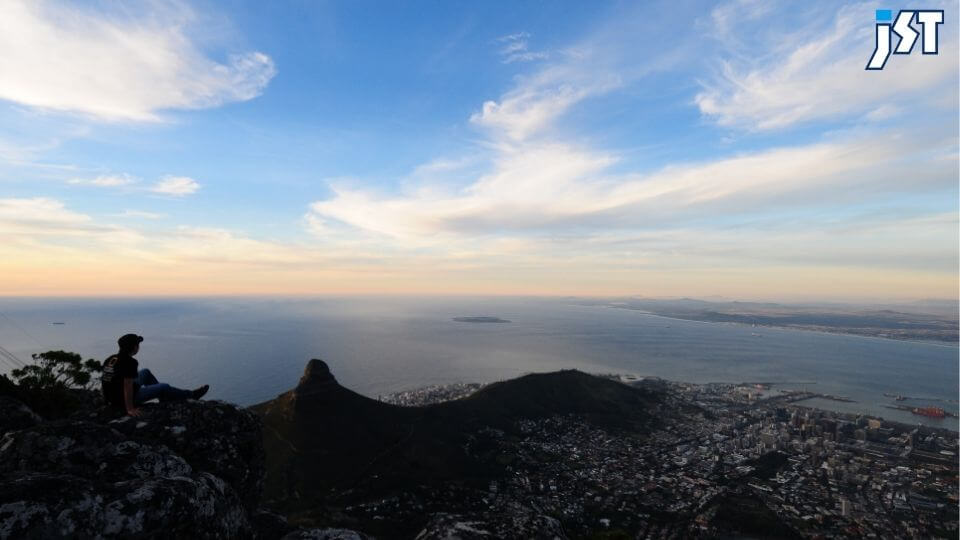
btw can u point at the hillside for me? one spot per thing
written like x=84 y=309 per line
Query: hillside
x=329 y=448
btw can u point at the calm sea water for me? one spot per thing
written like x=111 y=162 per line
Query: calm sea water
x=250 y=350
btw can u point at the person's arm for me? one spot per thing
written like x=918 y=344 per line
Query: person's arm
x=128 y=397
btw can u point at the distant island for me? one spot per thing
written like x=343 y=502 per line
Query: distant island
x=481 y=319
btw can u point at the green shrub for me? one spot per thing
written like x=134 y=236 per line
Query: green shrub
x=58 y=383
x=54 y=370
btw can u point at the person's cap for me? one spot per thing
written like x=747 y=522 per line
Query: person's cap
x=129 y=341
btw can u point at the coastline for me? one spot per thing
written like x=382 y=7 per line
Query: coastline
x=838 y=332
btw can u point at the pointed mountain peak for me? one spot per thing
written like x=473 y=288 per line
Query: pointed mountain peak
x=316 y=378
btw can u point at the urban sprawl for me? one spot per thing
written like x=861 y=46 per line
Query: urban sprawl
x=750 y=458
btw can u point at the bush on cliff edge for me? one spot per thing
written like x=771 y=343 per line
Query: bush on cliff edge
x=58 y=383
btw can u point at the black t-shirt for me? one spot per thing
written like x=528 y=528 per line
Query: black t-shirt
x=115 y=369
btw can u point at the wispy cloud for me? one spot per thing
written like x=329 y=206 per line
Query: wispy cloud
x=556 y=186
x=531 y=108
x=140 y=214
x=106 y=180
x=515 y=48
x=544 y=199
x=541 y=98
x=177 y=186
x=48 y=225
x=39 y=211
x=42 y=234
x=813 y=70
x=121 y=65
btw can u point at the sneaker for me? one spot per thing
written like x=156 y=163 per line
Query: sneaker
x=200 y=392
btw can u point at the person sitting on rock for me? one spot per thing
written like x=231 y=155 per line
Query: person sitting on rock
x=125 y=386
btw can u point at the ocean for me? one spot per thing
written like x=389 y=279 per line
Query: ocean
x=252 y=349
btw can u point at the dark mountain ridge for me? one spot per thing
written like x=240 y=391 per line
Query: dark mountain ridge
x=328 y=447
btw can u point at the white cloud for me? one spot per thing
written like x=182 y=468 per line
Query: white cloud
x=443 y=165
x=139 y=214
x=535 y=192
x=107 y=180
x=540 y=99
x=127 y=65
x=521 y=114
x=814 y=72
x=177 y=186
x=539 y=189
x=42 y=235
x=525 y=56
x=218 y=245
x=515 y=48
x=513 y=37
x=46 y=229
x=39 y=211
x=20 y=152
x=524 y=184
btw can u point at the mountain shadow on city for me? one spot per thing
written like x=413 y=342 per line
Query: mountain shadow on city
x=329 y=448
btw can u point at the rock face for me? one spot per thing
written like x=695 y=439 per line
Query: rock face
x=212 y=436
x=325 y=534
x=41 y=505
x=188 y=469
x=15 y=415
x=490 y=526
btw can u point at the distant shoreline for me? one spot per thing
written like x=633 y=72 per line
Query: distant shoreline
x=484 y=319
x=837 y=331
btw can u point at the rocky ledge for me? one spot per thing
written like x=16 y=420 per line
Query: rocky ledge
x=192 y=469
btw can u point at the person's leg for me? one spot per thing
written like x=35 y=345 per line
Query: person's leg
x=146 y=378
x=162 y=391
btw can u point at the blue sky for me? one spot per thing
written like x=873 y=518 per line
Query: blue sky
x=733 y=148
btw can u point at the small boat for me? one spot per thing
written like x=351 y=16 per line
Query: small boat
x=58 y=322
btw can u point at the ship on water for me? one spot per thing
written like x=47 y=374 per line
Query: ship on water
x=932 y=412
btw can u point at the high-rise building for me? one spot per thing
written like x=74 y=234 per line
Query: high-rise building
x=769 y=439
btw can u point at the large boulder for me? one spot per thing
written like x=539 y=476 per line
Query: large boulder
x=45 y=505
x=489 y=526
x=87 y=450
x=190 y=469
x=269 y=525
x=15 y=415
x=325 y=534
x=213 y=436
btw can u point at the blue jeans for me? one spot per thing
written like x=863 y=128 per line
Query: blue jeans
x=147 y=387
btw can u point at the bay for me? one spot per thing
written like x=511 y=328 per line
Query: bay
x=251 y=349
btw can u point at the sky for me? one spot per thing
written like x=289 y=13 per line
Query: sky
x=606 y=148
